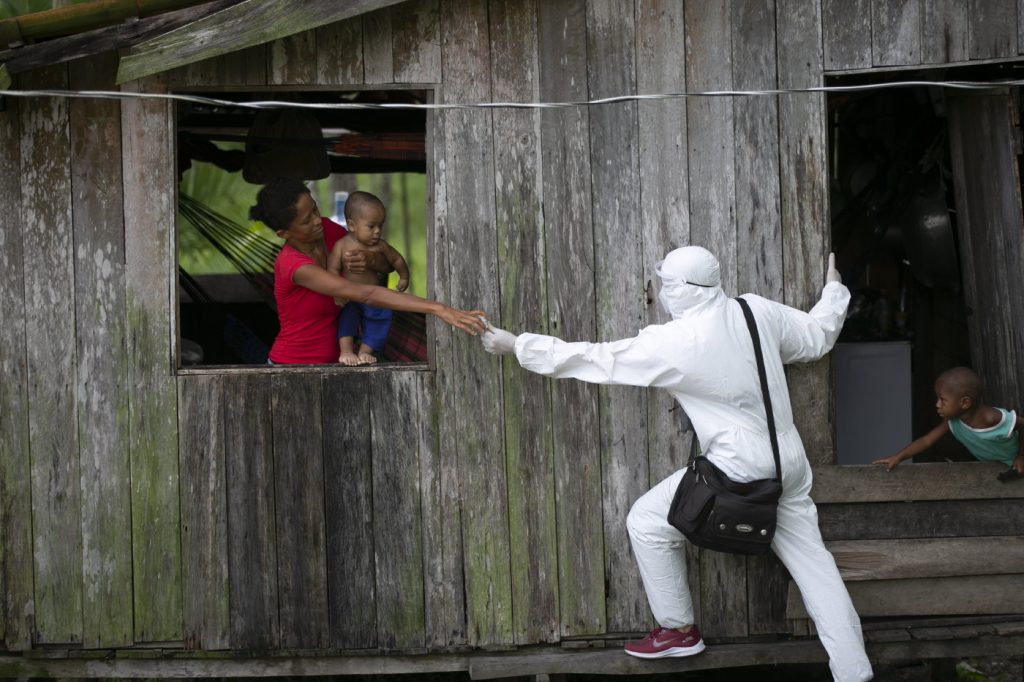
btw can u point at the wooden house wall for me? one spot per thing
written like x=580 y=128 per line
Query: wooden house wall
x=472 y=504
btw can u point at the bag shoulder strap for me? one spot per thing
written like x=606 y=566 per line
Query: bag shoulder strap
x=763 y=376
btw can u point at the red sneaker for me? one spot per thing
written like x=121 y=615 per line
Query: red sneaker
x=664 y=642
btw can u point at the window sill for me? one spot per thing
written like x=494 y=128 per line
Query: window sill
x=221 y=370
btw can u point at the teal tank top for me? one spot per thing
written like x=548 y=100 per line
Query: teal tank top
x=999 y=443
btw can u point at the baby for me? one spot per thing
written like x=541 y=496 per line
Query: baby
x=989 y=433
x=365 y=214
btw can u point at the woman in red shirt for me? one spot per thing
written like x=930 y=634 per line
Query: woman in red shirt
x=305 y=290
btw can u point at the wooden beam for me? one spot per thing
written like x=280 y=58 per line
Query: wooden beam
x=249 y=23
x=927 y=558
x=5 y=77
x=68 y=48
x=925 y=481
x=975 y=594
x=234 y=665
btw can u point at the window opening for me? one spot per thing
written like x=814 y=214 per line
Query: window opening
x=895 y=233
x=226 y=308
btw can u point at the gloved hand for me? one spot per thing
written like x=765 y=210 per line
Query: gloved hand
x=832 y=275
x=498 y=341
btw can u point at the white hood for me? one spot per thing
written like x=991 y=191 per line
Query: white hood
x=690 y=277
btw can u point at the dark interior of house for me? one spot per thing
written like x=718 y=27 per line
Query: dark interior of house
x=895 y=235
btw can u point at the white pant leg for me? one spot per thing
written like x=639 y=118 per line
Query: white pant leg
x=658 y=548
x=799 y=546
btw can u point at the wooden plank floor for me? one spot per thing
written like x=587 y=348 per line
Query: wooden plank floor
x=886 y=643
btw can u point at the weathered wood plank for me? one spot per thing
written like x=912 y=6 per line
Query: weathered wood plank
x=711 y=139
x=437 y=605
x=710 y=135
x=520 y=233
x=665 y=214
x=895 y=32
x=252 y=536
x=299 y=511
x=16 y=568
x=472 y=251
x=249 y=23
x=803 y=190
x=149 y=212
x=1020 y=25
x=416 y=41
x=974 y=594
x=101 y=390
x=348 y=492
x=723 y=595
x=48 y=252
x=945 y=30
x=339 y=52
x=565 y=171
x=204 y=512
x=446 y=592
x=767 y=582
x=397 y=532
x=927 y=558
x=993 y=28
x=756 y=124
x=759 y=237
x=924 y=481
x=846 y=34
x=894 y=520
x=989 y=226
x=254 y=60
x=620 y=294
x=67 y=48
x=664 y=199
x=293 y=60
x=378 y=51
x=252 y=665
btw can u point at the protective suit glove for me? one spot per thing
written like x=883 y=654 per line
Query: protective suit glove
x=498 y=341
x=832 y=275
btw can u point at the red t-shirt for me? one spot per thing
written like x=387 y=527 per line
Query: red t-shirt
x=309 y=321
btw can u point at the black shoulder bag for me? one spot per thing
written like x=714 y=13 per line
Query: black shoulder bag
x=715 y=512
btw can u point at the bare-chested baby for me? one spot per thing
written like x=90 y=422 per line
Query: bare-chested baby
x=365 y=215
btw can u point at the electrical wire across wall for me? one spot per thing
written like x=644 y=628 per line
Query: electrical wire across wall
x=271 y=104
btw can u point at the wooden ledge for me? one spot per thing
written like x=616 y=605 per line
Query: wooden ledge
x=989 y=639
x=912 y=482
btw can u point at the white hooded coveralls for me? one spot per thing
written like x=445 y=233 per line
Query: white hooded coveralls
x=704 y=357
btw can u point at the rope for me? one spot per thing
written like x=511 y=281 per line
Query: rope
x=273 y=104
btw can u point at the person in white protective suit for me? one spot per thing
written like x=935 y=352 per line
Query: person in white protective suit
x=704 y=357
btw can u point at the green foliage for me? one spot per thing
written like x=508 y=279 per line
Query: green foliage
x=16 y=8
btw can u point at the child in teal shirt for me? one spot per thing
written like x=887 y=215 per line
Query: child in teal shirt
x=989 y=433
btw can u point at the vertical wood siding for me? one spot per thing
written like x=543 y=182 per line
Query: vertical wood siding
x=569 y=252
x=472 y=252
x=100 y=331
x=49 y=333
x=619 y=293
x=152 y=393
x=16 y=569
x=476 y=503
x=348 y=493
x=865 y=34
x=522 y=288
x=299 y=510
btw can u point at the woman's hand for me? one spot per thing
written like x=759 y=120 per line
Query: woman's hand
x=469 y=321
x=357 y=262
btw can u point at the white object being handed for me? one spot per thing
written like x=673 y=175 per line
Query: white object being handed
x=498 y=341
x=832 y=275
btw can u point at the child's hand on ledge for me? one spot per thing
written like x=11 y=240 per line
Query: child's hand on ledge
x=889 y=463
